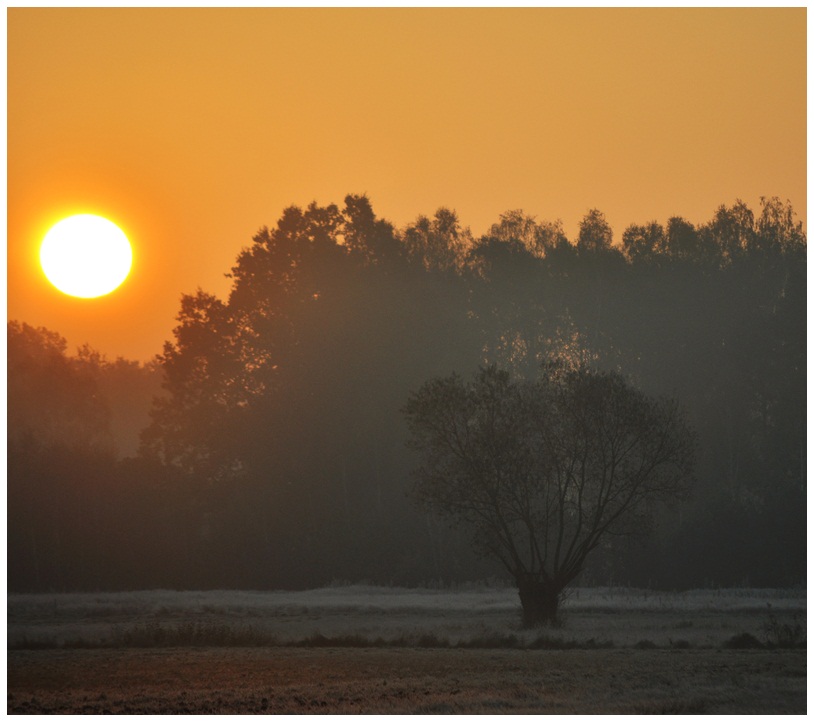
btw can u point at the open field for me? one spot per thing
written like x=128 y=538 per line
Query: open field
x=368 y=649
x=284 y=680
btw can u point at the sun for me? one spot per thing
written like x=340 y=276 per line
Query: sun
x=86 y=256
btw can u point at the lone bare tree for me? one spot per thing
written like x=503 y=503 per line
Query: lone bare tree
x=541 y=470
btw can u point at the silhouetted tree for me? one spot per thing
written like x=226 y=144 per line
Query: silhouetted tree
x=125 y=389
x=539 y=238
x=363 y=233
x=643 y=243
x=542 y=470
x=52 y=397
x=595 y=233
x=438 y=243
x=283 y=400
x=682 y=242
x=67 y=416
x=777 y=228
x=731 y=231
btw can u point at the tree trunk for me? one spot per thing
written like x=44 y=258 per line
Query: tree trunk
x=540 y=600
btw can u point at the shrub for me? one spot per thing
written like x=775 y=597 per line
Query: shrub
x=744 y=640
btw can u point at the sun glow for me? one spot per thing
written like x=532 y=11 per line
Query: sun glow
x=86 y=256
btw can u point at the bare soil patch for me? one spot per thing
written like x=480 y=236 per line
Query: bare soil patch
x=336 y=680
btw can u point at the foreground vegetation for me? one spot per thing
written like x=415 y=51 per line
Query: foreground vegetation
x=379 y=617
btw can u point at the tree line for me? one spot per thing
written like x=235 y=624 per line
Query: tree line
x=275 y=454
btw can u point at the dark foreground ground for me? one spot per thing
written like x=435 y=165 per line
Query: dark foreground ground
x=391 y=681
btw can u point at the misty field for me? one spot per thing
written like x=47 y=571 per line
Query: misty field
x=373 y=649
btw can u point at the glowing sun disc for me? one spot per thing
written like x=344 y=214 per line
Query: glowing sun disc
x=86 y=256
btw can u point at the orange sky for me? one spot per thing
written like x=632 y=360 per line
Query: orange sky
x=192 y=128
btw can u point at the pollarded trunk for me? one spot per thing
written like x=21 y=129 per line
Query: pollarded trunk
x=540 y=601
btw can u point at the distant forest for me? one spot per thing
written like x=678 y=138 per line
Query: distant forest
x=265 y=447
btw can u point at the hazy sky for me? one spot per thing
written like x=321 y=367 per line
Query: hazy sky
x=192 y=128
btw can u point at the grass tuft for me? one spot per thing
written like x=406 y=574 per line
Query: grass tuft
x=345 y=640
x=788 y=635
x=544 y=642
x=744 y=640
